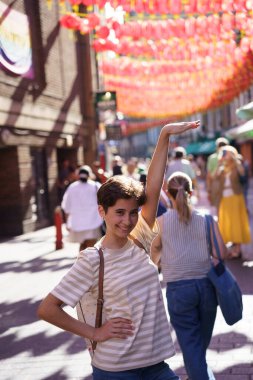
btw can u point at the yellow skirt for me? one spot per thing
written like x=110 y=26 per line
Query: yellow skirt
x=233 y=220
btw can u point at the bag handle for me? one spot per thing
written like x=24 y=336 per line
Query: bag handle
x=210 y=231
x=100 y=299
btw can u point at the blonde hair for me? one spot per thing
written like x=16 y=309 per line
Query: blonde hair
x=230 y=149
x=179 y=186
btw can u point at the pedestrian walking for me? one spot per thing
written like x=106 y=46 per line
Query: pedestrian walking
x=185 y=262
x=117 y=165
x=130 y=169
x=81 y=211
x=212 y=184
x=233 y=217
x=134 y=339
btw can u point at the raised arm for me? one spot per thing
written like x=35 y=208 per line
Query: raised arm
x=157 y=166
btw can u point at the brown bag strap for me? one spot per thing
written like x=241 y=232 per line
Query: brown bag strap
x=137 y=242
x=100 y=299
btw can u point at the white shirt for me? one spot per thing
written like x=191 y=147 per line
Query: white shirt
x=227 y=190
x=80 y=203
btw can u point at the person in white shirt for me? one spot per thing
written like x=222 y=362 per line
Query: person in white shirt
x=134 y=340
x=81 y=212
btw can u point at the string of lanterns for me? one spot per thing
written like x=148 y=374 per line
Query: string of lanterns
x=174 y=7
x=170 y=57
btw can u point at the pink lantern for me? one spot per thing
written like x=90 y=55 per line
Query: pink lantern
x=103 y=32
x=75 y=2
x=70 y=21
x=93 y=20
x=101 y=3
x=99 y=45
x=190 y=27
x=175 y=6
x=88 y=3
x=162 y=7
x=245 y=45
x=115 y=25
x=139 y=7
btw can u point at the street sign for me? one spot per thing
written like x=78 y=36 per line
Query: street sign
x=113 y=131
x=106 y=110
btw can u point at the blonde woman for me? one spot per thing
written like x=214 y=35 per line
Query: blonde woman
x=185 y=261
x=232 y=216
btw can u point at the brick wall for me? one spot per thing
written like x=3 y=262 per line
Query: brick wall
x=40 y=116
x=54 y=47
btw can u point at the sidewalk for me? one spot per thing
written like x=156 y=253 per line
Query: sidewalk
x=33 y=350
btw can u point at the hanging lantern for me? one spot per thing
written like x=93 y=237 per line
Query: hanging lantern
x=103 y=32
x=93 y=20
x=70 y=21
x=75 y=2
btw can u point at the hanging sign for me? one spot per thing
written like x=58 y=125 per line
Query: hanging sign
x=15 y=42
x=106 y=108
x=113 y=131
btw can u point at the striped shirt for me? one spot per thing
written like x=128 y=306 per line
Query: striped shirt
x=131 y=290
x=185 y=253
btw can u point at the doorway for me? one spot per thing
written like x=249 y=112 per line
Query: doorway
x=40 y=199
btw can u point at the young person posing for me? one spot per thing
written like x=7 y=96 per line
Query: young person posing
x=185 y=261
x=134 y=340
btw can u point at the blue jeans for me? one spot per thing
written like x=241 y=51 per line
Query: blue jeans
x=160 y=371
x=192 y=306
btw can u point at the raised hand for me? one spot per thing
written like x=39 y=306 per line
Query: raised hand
x=119 y=328
x=157 y=167
x=177 y=128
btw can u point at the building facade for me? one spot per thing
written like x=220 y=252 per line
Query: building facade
x=46 y=111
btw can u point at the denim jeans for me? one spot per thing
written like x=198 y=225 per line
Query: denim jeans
x=160 y=371
x=192 y=306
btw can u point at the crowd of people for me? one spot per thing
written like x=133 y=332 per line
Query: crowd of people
x=141 y=215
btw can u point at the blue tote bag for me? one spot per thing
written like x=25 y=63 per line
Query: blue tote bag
x=228 y=293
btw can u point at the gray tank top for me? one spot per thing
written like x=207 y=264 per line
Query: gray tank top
x=185 y=251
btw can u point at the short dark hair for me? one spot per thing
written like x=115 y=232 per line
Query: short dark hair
x=120 y=187
x=84 y=173
x=179 y=152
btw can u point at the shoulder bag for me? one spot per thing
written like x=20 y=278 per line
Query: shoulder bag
x=227 y=289
x=87 y=306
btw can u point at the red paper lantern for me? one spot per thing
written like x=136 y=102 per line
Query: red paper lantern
x=93 y=20
x=139 y=6
x=88 y=3
x=75 y=2
x=70 y=21
x=103 y=32
x=101 y=3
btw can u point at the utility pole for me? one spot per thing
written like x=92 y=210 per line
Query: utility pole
x=84 y=66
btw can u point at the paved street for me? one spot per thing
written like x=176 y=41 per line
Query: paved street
x=33 y=350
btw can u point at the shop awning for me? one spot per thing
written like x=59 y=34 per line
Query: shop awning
x=242 y=132
x=245 y=112
x=201 y=147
